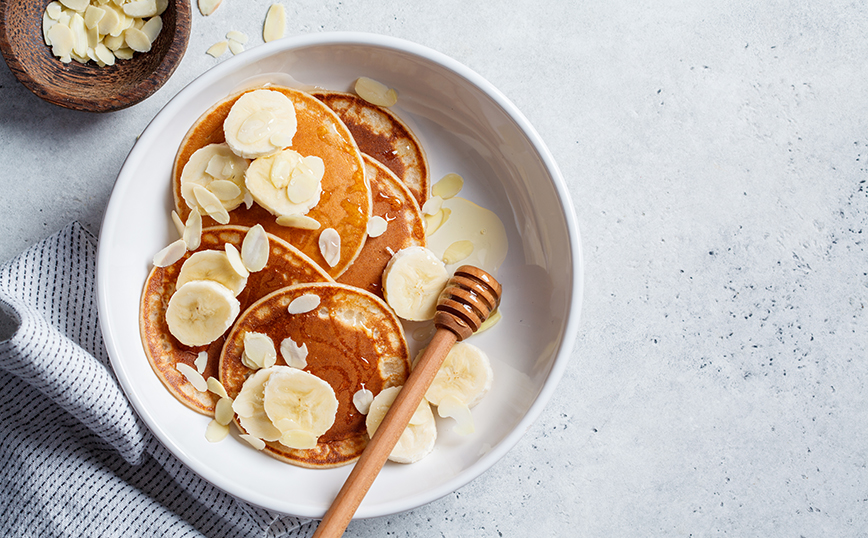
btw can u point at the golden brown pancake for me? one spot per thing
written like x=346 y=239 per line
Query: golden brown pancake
x=345 y=204
x=286 y=266
x=394 y=202
x=385 y=137
x=353 y=339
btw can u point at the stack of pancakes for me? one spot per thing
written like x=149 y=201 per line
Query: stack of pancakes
x=375 y=166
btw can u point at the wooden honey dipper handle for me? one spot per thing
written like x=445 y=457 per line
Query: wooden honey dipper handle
x=468 y=299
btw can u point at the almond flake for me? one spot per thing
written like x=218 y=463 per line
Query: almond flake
x=259 y=350
x=170 y=254
x=255 y=442
x=377 y=226
x=224 y=189
x=304 y=304
x=275 y=23
x=211 y=204
x=235 y=47
x=330 y=246
x=235 y=35
x=223 y=412
x=293 y=354
x=194 y=377
x=362 y=400
x=432 y=205
x=255 y=249
x=218 y=49
x=375 y=92
x=216 y=432
x=92 y=16
x=76 y=5
x=298 y=221
x=192 y=233
x=217 y=387
x=179 y=224
x=235 y=260
x=201 y=361
x=207 y=7
x=140 y=8
x=435 y=221
x=137 y=40
x=153 y=27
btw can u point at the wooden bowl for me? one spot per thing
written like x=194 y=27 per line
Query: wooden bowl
x=89 y=87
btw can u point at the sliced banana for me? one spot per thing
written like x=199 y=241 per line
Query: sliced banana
x=260 y=123
x=418 y=438
x=286 y=183
x=300 y=405
x=248 y=405
x=213 y=265
x=200 y=311
x=217 y=169
x=412 y=282
x=462 y=380
x=465 y=374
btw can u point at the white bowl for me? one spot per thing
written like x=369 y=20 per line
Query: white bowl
x=468 y=127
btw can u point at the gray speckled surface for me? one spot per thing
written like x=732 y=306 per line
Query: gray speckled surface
x=715 y=152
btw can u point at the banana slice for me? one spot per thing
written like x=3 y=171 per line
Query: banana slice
x=260 y=123
x=463 y=379
x=465 y=374
x=218 y=170
x=286 y=183
x=418 y=438
x=200 y=311
x=300 y=405
x=248 y=405
x=213 y=265
x=412 y=282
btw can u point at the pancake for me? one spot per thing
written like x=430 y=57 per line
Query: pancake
x=394 y=202
x=385 y=137
x=286 y=266
x=345 y=204
x=353 y=339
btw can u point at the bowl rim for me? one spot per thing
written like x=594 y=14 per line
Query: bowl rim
x=136 y=94
x=576 y=284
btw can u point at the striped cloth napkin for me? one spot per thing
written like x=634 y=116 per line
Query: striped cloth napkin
x=77 y=461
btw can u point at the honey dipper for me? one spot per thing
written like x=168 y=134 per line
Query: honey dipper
x=468 y=299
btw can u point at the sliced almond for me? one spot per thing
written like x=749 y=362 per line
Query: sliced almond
x=76 y=24
x=193 y=230
x=255 y=249
x=435 y=221
x=375 y=92
x=137 y=40
x=217 y=387
x=235 y=47
x=217 y=49
x=235 y=35
x=224 y=189
x=108 y=22
x=140 y=8
x=259 y=350
x=211 y=204
x=207 y=7
x=432 y=205
x=255 y=442
x=223 y=412
x=153 y=27
x=76 y=5
x=235 y=260
x=362 y=400
x=275 y=23
x=201 y=361
x=194 y=377
x=62 y=40
x=124 y=53
x=330 y=246
x=114 y=42
x=92 y=16
x=216 y=432
x=293 y=354
x=170 y=254
x=298 y=221
x=54 y=10
x=179 y=224
x=303 y=304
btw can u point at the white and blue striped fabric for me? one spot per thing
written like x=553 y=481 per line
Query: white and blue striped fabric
x=76 y=460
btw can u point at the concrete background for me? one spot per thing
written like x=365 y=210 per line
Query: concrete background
x=715 y=153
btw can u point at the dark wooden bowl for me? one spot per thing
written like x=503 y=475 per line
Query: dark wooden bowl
x=89 y=87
